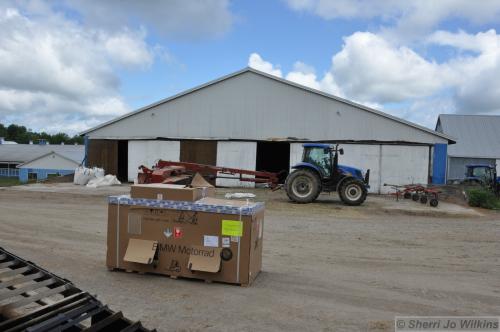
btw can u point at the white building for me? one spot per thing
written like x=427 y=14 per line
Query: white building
x=256 y=121
x=39 y=161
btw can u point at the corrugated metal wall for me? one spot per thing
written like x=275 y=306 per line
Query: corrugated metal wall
x=254 y=107
x=456 y=166
x=148 y=152
x=236 y=155
x=392 y=164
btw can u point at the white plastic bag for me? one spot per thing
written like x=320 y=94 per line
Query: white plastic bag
x=83 y=175
x=239 y=195
x=108 y=180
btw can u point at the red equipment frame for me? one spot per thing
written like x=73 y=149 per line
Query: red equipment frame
x=416 y=192
x=173 y=171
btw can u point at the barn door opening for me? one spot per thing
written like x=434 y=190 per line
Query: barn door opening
x=122 y=173
x=198 y=151
x=274 y=157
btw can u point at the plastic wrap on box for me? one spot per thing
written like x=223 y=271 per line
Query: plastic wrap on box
x=249 y=209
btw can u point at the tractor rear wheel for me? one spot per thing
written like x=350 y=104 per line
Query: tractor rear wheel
x=352 y=192
x=303 y=186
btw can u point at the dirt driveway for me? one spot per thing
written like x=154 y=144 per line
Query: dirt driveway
x=325 y=266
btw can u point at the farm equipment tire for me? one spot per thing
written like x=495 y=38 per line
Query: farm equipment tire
x=352 y=192
x=407 y=195
x=303 y=186
x=415 y=197
x=423 y=199
x=433 y=202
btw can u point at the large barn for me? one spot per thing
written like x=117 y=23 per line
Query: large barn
x=253 y=120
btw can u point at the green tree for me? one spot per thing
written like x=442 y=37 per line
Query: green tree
x=3 y=130
x=20 y=134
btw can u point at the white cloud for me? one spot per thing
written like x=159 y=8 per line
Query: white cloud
x=386 y=73
x=302 y=73
x=404 y=83
x=256 y=61
x=59 y=60
x=390 y=73
x=53 y=69
x=407 y=19
x=129 y=49
x=305 y=75
x=193 y=19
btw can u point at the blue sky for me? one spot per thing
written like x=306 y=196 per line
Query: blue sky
x=69 y=65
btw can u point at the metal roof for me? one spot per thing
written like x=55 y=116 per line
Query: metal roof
x=48 y=154
x=22 y=153
x=477 y=136
x=248 y=69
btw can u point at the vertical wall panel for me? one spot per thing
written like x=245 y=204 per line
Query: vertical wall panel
x=394 y=164
x=199 y=151
x=364 y=157
x=103 y=153
x=404 y=165
x=439 y=164
x=148 y=152
x=295 y=154
x=236 y=155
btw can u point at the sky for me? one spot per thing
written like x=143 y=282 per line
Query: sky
x=68 y=65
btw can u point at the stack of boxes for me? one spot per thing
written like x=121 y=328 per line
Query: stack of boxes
x=183 y=231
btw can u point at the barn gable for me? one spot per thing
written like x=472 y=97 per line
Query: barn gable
x=251 y=105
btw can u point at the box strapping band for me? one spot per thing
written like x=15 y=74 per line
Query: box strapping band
x=118 y=230
x=238 y=260
x=245 y=210
x=239 y=243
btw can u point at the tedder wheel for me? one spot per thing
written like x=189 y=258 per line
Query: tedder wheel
x=352 y=191
x=423 y=199
x=303 y=186
x=434 y=202
x=407 y=195
x=415 y=197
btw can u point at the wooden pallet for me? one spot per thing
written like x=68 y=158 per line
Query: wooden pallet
x=37 y=300
x=194 y=278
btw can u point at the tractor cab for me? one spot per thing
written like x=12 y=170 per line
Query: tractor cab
x=319 y=171
x=319 y=155
x=478 y=172
x=325 y=158
x=481 y=174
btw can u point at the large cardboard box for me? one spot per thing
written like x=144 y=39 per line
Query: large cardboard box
x=172 y=192
x=198 y=189
x=211 y=239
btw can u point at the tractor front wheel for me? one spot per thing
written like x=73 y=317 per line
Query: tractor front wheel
x=303 y=186
x=352 y=192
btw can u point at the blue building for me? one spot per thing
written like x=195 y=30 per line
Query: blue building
x=39 y=161
x=478 y=142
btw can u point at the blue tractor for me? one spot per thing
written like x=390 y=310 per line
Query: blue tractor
x=482 y=174
x=319 y=172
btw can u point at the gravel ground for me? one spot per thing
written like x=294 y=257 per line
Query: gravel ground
x=325 y=266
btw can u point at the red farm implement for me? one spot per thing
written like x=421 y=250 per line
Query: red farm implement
x=416 y=192
x=181 y=172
